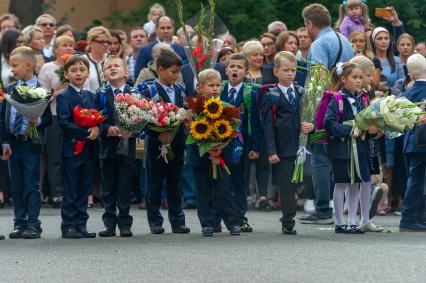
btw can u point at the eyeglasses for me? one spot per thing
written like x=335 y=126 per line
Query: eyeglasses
x=103 y=42
x=48 y=24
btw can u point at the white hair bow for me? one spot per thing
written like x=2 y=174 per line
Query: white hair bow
x=339 y=68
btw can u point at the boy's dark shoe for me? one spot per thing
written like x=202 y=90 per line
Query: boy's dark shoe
x=288 y=231
x=107 y=232
x=2 y=237
x=31 y=234
x=72 y=233
x=207 y=231
x=157 y=230
x=126 y=233
x=316 y=218
x=245 y=227
x=181 y=229
x=87 y=233
x=17 y=233
x=235 y=231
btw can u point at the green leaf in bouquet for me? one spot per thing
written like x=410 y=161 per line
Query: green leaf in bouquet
x=190 y=139
x=205 y=147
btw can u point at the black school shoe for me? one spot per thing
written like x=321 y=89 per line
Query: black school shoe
x=30 y=234
x=2 y=237
x=235 y=231
x=17 y=233
x=343 y=229
x=288 y=231
x=182 y=229
x=87 y=233
x=207 y=231
x=157 y=230
x=72 y=233
x=245 y=227
x=126 y=233
x=107 y=232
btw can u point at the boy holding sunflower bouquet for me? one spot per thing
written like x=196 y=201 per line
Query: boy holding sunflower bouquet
x=212 y=188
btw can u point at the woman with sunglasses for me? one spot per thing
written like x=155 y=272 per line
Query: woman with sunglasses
x=99 y=40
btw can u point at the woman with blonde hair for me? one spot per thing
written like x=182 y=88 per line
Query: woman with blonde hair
x=34 y=38
x=254 y=51
x=98 y=39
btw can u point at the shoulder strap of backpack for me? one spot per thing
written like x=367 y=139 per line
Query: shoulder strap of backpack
x=248 y=103
x=339 y=54
x=275 y=99
x=339 y=99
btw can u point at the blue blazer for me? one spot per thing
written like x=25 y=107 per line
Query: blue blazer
x=6 y=136
x=66 y=102
x=416 y=94
x=145 y=56
x=256 y=130
x=108 y=145
x=188 y=77
x=178 y=144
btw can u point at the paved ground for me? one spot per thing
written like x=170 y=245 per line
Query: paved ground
x=316 y=254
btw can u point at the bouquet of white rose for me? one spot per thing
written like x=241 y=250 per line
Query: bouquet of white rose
x=31 y=103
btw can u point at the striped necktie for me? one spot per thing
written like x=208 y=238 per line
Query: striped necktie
x=231 y=95
x=291 y=97
x=82 y=97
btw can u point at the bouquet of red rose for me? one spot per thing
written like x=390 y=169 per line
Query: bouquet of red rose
x=86 y=118
x=214 y=125
x=166 y=119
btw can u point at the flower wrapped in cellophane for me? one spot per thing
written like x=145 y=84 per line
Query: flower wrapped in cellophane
x=391 y=115
x=165 y=119
x=214 y=125
x=86 y=118
x=31 y=103
x=315 y=87
x=203 y=48
x=132 y=114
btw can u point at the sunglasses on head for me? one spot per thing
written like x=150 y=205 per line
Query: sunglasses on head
x=103 y=42
x=47 y=24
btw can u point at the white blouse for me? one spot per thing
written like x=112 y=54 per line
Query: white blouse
x=96 y=76
x=6 y=72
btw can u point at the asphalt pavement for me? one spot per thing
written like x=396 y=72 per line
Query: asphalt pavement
x=316 y=254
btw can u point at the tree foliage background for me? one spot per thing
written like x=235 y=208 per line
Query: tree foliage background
x=247 y=19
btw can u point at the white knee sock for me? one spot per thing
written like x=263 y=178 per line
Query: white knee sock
x=353 y=200
x=338 y=199
x=365 y=201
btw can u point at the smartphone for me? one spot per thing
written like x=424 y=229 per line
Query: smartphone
x=383 y=12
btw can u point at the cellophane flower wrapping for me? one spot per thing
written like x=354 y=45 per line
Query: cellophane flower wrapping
x=86 y=118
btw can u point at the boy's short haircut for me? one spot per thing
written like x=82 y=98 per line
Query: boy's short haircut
x=208 y=74
x=416 y=65
x=284 y=55
x=239 y=56
x=168 y=58
x=27 y=53
x=115 y=57
x=365 y=64
x=74 y=59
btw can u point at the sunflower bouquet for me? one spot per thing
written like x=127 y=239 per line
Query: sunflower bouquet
x=214 y=124
x=166 y=118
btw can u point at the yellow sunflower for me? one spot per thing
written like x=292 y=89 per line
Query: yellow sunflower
x=200 y=130
x=223 y=129
x=213 y=108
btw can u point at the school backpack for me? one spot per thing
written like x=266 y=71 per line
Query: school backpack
x=275 y=99
x=150 y=85
x=323 y=105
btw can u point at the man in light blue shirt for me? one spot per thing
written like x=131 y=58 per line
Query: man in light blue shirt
x=327 y=50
